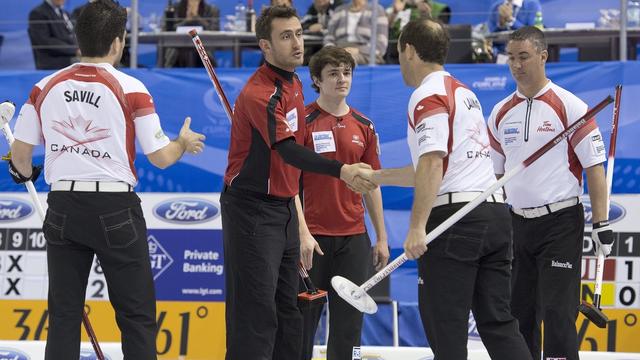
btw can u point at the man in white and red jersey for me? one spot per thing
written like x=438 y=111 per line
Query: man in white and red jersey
x=259 y=216
x=335 y=226
x=88 y=116
x=548 y=218
x=468 y=266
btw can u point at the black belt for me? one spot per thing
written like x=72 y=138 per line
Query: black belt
x=245 y=193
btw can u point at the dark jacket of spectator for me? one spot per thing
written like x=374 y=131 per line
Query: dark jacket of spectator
x=208 y=17
x=313 y=17
x=52 y=30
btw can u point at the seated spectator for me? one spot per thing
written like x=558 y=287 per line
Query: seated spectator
x=315 y=24
x=350 y=28
x=52 y=37
x=513 y=14
x=402 y=11
x=191 y=13
x=317 y=17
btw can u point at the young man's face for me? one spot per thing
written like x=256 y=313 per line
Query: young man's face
x=286 y=47
x=526 y=62
x=335 y=81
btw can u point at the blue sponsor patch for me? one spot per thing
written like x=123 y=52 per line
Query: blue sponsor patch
x=12 y=354
x=616 y=212
x=13 y=209
x=186 y=211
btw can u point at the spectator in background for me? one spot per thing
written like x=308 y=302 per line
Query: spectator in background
x=402 y=11
x=350 y=27
x=52 y=38
x=315 y=24
x=317 y=17
x=191 y=13
x=513 y=14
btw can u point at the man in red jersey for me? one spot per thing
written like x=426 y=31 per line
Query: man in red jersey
x=335 y=226
x=259 y=219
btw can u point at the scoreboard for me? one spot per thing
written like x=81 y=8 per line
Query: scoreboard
x=621 y=280
x=185 y=248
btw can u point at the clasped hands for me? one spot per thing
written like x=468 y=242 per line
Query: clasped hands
x=358 y=177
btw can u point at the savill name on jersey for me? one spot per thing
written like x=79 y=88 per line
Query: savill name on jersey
x=82 y=96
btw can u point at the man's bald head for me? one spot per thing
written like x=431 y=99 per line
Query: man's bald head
x=428 y=37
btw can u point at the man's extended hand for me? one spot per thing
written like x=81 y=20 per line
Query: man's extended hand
x=415 y=244
x=191 y=141
x=21 y=179
x=307 y=246
x=602 y=237
x=356 y=175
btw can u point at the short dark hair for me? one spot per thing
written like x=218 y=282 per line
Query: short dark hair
x=429 y=37
x=263 y=24
x=99 y=23
x=329 y=55
x=531 y=33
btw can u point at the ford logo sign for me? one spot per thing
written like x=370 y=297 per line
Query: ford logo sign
x=14 y=209
x=186 y=211
x=12 y=354
x=616 y=212
x=90 y=355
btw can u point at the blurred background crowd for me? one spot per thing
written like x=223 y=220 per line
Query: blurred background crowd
x=40 y=34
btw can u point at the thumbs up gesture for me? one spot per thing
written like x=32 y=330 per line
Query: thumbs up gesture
x=189 y=139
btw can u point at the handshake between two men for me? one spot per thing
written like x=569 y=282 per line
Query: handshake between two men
x=358 y=177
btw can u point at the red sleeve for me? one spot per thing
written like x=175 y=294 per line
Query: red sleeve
x=33 y=96
x=141 y=104
x=372 y=152
x=266 y=114
x=429 y=106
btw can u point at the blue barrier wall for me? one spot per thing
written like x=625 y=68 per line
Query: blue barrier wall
x=378 y=92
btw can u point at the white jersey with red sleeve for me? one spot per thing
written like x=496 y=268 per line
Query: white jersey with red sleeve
x=445 y=116
x=88 y=117
x=518 y=126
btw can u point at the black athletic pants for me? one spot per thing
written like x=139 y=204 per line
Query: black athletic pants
x=111 y=226
x=261 y=255
x=468 y=268
x=350 y=257
x=546 y=280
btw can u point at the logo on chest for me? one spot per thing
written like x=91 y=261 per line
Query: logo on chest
x=546 y=127
x=356 y=140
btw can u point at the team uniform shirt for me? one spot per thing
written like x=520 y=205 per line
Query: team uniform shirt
x=269 y=109
x=445 y=116
x=88 y=117
x=330 y=208
x=519 y=126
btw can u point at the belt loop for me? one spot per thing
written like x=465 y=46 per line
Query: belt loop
x=548 y=209
x=97 y=186
x=73 y=184
x=450 y=195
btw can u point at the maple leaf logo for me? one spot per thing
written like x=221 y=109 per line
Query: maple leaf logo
x=80 y=130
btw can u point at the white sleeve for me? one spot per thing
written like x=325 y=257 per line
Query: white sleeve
x=149 y=133
x=28 y=128
x=591 y=150
x=432 y=134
